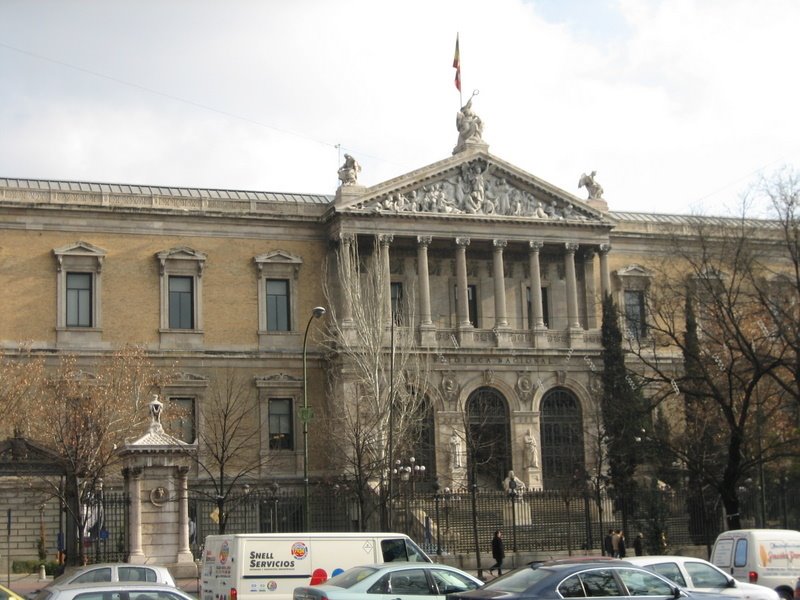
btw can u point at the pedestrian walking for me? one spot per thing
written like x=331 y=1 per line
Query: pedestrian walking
x=621 y=545
x=498 y=552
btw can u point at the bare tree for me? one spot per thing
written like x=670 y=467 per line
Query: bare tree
x=378 y=378
x=84 y=416
x=228 y=453
x=22 y=379
x=723 y=364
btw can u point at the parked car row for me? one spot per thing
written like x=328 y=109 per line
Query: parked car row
x=269 y=567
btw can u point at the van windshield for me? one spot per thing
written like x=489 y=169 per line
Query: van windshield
x=400 y=549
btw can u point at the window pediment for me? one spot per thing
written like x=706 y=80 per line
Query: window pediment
x=278 y=261
x=80 y=253
x=182 y=253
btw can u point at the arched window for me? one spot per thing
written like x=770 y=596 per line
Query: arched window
x=488 y=437
x=562 y=439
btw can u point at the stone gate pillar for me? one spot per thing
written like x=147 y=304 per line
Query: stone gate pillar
x=157 y=465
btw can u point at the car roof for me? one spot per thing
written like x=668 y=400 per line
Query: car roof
x=113 y=585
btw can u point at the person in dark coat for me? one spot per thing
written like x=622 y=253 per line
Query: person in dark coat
x=621 y=545
x=608 y=546
x=637 y=544
x=498 y=552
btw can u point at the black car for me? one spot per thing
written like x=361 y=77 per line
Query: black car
x=579 y=579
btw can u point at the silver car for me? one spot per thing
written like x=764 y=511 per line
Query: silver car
x=107 y=572
x=113 y=591
x=700 y=575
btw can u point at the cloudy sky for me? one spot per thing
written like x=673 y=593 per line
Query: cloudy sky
x=677 y=104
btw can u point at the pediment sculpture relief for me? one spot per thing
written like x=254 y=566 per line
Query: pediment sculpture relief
x=475 y=189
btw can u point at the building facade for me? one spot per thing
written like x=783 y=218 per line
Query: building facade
x=507 y=272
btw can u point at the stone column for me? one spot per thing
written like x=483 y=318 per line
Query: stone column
x=136 y=554
x=423 y=241
x=385 y=240
x=500 y=317
x=184 y=552
x=605 y=277
x=346 y=240
x=572 y=286
x=536 y=285
x=462 y=299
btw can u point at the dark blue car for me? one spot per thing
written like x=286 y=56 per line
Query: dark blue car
x=580 y=578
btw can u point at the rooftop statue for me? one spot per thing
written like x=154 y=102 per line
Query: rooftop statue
x=470 y=126
x=595 y=189
x=348 y=172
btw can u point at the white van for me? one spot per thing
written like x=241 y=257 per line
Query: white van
x=769 y=557
x=268 y=566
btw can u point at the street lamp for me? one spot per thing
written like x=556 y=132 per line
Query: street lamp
x=407 y=474
x=316 y=313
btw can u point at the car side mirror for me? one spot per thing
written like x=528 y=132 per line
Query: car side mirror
x=678 y=593
x=731 y=583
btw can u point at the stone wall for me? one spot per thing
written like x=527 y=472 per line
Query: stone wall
x=31 y=508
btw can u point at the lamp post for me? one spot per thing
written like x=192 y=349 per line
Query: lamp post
x=437 y=495
x=407 y=474
x=305 y=416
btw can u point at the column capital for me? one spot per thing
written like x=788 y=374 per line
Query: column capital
x=499 y=244
x=588 y=253
x=462 y=241
x=424 y=240
x=572 y=247
x=535 y=245
x=347 y=237
x=605 y=248
x=385 y=239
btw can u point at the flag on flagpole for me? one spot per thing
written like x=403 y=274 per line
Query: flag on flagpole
x=457 y=66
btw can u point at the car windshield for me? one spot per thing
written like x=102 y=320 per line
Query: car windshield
x=351 y=577
x=517 y=581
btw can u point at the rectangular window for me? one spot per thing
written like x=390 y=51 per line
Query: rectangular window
x=544 y=307
x=280 y=424
x=79 y=299
x=181 y=302
x=278 y=305
x=472 y=302
x=397 y=301
x=635 y=322
x=180 y=419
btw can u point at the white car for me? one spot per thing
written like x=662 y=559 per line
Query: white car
x=697 y=574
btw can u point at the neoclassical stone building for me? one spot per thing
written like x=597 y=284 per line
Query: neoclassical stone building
x=508 y=272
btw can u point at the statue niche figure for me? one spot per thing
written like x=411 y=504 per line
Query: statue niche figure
x=531 y=459
x=348 y=172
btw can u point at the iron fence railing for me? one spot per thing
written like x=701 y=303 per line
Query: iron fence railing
x=538 y=521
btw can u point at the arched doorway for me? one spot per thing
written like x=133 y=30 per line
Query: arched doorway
x=562 y=439
x=488 y=437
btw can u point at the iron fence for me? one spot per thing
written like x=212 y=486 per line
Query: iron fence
x=105 y=537
x=538 y=521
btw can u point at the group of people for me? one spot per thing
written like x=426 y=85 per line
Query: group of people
x=614 y=544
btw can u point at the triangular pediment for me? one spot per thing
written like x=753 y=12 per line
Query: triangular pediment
x=279 y=257
x=181 y=253
x=634 y=270
x=467 y=184
x=80 y=248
